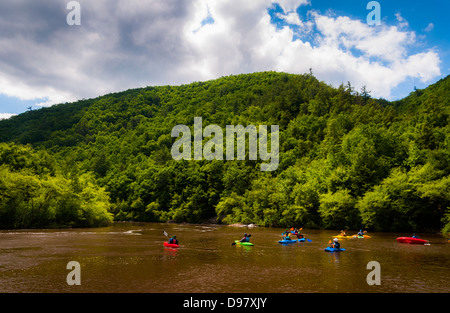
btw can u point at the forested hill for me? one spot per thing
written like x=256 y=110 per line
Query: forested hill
x=346 y=160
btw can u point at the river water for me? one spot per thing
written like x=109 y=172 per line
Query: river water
x=130 y=257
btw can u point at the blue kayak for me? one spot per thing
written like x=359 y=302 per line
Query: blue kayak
x=287 y=241
x=328 y=249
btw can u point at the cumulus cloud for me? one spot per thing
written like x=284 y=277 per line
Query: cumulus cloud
x=125 y=44
x=4 y=116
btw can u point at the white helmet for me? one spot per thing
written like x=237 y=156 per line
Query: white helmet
x=335 y=239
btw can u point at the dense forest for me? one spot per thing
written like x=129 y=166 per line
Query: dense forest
x=347 y=160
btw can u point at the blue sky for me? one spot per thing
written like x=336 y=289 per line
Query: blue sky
x=428 y=19
x=128 y=44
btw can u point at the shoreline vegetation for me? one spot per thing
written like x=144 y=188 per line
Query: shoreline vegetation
x=346 y=160
x=249 y=227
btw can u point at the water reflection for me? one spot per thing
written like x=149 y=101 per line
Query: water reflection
x=334 y=256
x=171 y=252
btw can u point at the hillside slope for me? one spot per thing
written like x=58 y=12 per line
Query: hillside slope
x=346 y=160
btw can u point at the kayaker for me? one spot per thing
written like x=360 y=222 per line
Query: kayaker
x=173 y=240
x=299 y=235
x=415 y=236
x=335 y=244
x=246 y=238
x=361 y=233
x=285 y=235
x=343 y=233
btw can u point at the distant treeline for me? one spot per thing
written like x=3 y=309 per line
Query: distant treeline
x=347 y=160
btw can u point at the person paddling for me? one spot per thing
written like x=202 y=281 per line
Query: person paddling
x=173 y=240
x=246 y=238
x=285 y=235
x=299 y=234
x=335 y=244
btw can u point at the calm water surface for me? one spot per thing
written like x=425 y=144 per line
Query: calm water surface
x=130 y=257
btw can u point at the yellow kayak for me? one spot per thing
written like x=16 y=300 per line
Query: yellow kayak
x=342 y=237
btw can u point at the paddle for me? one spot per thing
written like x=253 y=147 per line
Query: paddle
x=329 y=242
x=308 y=240
x=166 y=234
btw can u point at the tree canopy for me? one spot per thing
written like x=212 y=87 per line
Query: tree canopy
x=347 y=160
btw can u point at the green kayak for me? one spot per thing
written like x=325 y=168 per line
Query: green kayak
x=243 y=243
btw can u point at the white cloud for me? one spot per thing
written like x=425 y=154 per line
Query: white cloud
x=381 y=63
x=4 y=116
x=291 y=5
x=429 y=28
x=123 y=44
x=291 y=18
x=402 y=22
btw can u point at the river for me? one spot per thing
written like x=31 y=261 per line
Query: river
x=131 y=258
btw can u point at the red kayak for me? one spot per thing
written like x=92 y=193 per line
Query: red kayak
x=412 y=240
x=170 y=245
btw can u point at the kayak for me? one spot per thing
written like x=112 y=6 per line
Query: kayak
x=287 y=241
x=299 y=239
x=361 y=237
x=243 y=243
x=328 y=249
x=412 y=240
x=342 y=237
x=171 y=245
